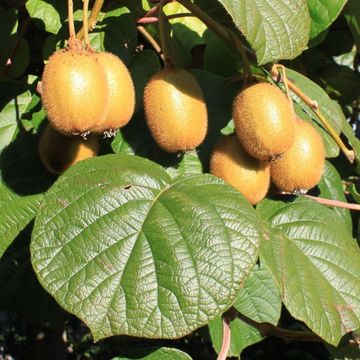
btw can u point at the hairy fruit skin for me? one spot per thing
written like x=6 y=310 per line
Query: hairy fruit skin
x=74 y=91
x=175 y=110
x=230 y=162
x=264 y=120
x=58 y=152
x=121 y=99
x=302 y=166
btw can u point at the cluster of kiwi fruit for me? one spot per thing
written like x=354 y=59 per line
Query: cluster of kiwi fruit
x=83 y=92
x=271 y=143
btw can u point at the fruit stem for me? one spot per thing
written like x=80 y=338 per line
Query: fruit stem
x=92 y=18
x=334 y=203
x=315 y=108
x=164 y=37
x=86 y=24
x=71 y=21
x=151 y=40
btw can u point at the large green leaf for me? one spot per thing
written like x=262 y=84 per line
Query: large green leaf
x=20 y=290
x=130 y=251
x=353 y=141
x=276 y=29
x=163 y=353
x=259 y=300
x=46 y=13
x=323 y=13
x=316 y=264
x=330 y=109
x=22 y=181
x=331 y=188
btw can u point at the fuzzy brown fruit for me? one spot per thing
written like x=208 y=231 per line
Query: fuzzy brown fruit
x=175 y=110
x=74 y=91
x=230 y=162
x=58 y=152
x=121 y=100
x=301 y=167
x=264 y=120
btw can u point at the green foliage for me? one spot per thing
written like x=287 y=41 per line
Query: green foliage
x=146 y=243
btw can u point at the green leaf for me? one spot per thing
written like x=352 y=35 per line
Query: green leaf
x=276 y=29
x=116 y=32
x=46 y=13
x=352 y=15
x=353 y=140
x=163 y=353
x=331 y=188
x=20 y=290
x=316 y=265
x=330 y=109
x=129 y=251
x=14 y=99
x=259 y=300
x=22 y=181
x=323 y=13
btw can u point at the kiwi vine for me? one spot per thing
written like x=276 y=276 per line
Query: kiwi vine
x=179 y=182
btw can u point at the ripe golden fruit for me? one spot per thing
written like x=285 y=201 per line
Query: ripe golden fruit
x=58 y=152
x=230 y=162
x=264 y=120
x=175 y=110
x=121 y=100
x=301 y=167
x=74 y=91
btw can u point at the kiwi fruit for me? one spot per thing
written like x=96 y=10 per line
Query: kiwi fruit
x=230 y=162
x=58 y=152
x=264 y=120
x=175 y=110
x=74 y=91
x=121 y=100
x=301 y=167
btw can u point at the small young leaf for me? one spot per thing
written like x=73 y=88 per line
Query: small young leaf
x=130 y=251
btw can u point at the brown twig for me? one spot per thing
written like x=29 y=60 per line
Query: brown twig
x=16 y=47
x=92 y=18
x=151 y=40
x=315 y=108
x=154 y=19
x=267 y=329
x=334 y=203
x=226 y=339
x=71 y=20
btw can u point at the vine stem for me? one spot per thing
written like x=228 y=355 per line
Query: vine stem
x=154 y=19
x=334 y=203
x=71 y=20
x=85 y=23
x=92 y=18
x=226 y=337
x=163 y=37
x=315 y=108
x=151 y=40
